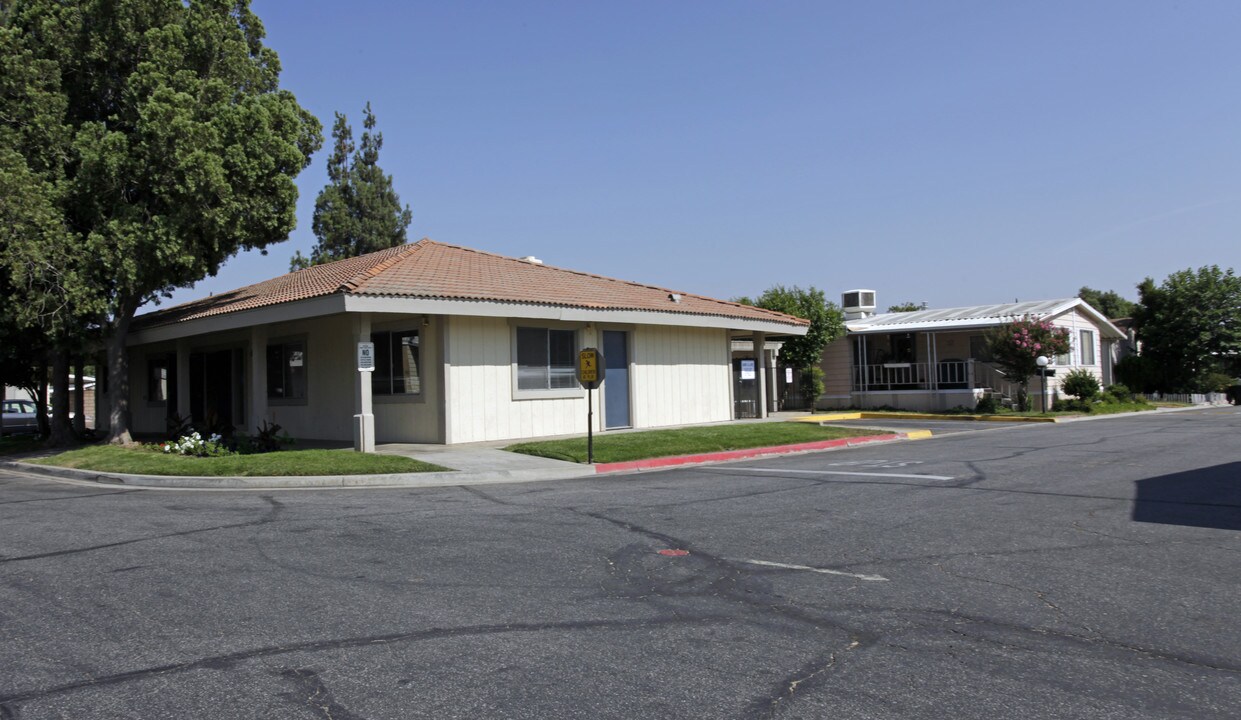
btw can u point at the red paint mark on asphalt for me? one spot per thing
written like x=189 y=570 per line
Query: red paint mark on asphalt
x=674 y=553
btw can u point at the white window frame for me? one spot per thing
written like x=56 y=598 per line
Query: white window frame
x=550 y=394
x=1084 y=344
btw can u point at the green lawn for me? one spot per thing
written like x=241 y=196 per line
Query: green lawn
x=111 y=458
x=621 y=447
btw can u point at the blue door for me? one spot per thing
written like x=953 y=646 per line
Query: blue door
x=616 y=381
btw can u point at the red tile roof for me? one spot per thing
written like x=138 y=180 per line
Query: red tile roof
x=429 y=269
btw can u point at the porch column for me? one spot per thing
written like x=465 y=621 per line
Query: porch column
x=183 y=378
x=258 y=377
x=760 y=371
x=934 y=359
x=775 y=380
x=364 y=418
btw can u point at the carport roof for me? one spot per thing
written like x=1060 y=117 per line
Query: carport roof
x=977 y=316
x=438 y=271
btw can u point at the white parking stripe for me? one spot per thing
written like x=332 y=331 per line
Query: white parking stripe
x=846 y=472
x=825 y=571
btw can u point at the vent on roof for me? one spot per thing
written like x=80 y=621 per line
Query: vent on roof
x=857 y=304
x=674 y=297
x=532 y=260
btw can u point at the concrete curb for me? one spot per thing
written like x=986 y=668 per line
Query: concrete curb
x=438 y=479
x=829 y=417
x=731 y=455
x=198 y=482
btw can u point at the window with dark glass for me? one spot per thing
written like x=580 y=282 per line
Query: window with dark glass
x=286 y=371
x=545 y=359
x=396 y=363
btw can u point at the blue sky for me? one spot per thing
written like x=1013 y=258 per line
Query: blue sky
x=955 y=153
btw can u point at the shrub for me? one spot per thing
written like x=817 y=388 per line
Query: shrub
x=267 y=439
x=177 y=427
x=1081 y=384
x=812 y=385
x=987 y=405
x=1070 y=405
x=1118 y=393
x=194 y=444
x=1214 y=382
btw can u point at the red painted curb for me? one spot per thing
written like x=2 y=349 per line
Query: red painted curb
x=726 y=455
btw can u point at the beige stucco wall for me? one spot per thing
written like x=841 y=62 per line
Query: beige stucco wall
x=836 y=364
x=145 y=417
x=479 y=378
x=678 y=375
x=331 y=372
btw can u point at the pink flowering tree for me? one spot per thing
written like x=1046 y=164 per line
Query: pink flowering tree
x=1016 y=346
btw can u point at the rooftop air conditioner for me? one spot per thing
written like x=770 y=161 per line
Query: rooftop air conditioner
x=857 y=303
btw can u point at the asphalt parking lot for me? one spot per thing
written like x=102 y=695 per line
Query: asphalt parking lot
x=1084 y=570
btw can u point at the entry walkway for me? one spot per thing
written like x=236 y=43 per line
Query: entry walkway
x=488 y=461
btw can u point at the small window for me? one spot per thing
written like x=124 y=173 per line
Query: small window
x=157 y=378
x=545 y=359
x=396 y=363
x=286 y=371
x=1087 y=350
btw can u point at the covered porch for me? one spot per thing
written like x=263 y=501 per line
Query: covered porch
x=924 y=370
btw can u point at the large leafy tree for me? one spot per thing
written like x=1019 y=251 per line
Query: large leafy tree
x=358 y=211
x=827 y=323
x=42 y=273
x=1190 y=327
x=1109 y=302
x=177 y=148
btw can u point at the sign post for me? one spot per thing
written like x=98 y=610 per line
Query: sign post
x=590 y=372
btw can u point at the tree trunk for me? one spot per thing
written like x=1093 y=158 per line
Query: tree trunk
x=118 y=374
x=79 y=397
x=40 y=399
x=62 y=432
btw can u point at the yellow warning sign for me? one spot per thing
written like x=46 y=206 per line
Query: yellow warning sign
x=588 y=366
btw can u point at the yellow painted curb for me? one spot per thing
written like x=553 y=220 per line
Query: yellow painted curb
x=918 y=434
x=828 y=417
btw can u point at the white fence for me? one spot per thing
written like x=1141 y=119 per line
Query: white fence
x=1191 y=398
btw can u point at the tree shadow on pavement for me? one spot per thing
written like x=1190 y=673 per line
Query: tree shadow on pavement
x=1208 y=497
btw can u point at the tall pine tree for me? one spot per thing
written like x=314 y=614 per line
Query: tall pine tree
x=357 y=212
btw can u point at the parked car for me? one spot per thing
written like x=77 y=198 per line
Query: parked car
x=20 y=417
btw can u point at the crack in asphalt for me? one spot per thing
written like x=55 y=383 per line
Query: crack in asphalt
x=274 y=511
x=228 y=660
x=767 y=707
x=68 y=497
x=319 y=698
x=1042 y=596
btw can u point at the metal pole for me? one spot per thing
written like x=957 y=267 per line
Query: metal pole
x=590 y=426
x=1043 y=371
